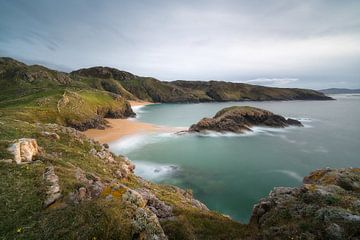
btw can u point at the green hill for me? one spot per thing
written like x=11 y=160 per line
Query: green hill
x=151 y=89
x=55 y=183
x=38 y=94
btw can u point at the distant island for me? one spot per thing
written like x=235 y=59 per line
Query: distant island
x=339 y=91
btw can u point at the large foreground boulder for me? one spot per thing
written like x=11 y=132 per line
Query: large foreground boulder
x=239 y=119
x=24 y=150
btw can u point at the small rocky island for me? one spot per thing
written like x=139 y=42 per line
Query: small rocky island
x=240 y=119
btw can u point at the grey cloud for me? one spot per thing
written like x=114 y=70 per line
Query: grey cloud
x=315 y=41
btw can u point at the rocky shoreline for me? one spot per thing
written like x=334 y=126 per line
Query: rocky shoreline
x=326 y=206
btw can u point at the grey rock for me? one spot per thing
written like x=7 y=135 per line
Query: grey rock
x=334 y=232
x=146 y=225
x=53 y=192
x=158 y=207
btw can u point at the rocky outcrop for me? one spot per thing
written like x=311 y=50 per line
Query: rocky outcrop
x=24 y=150
x=326 y=206
x=51 y=135
x=146 y=225
x=53 y=192
x=158 y=207
x=240 y=119
x=92 y=186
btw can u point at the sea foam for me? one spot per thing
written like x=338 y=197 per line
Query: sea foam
x=154 y=171
x=289 y=173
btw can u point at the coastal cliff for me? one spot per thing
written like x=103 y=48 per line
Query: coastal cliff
x=56 y=183
x=151 y=89
x=240 y=119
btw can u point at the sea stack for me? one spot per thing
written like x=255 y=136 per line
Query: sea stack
x=240 y=119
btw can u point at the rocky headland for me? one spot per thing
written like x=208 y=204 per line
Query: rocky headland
x=56 y=183
x=240 y=119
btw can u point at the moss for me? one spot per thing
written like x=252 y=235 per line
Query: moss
x=332 y=199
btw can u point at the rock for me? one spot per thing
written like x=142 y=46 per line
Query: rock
x=93 y=186
x=24 y=150
x=158 y=207
x=103 y=154
x=334 y=232
x=50 y=135
x=240 y=119
x=133 y=198
x=330 y=214
x=6 y=160
x=53 y=192
x=146 y=226
x=323 y=208
x=82 y=193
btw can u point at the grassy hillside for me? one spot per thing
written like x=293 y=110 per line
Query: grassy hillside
x=18 y=78
x=228 y=91
x=74 y=188
x=151 y=89
x=37 y=94
x=104 y=216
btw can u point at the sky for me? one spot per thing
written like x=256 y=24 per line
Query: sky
x=283 y=43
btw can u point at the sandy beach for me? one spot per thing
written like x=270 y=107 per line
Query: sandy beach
x=119 y=128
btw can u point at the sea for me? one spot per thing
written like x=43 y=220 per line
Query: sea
x=231 y=172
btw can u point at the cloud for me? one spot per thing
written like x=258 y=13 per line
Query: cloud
x=232 y=40
x=272 y=81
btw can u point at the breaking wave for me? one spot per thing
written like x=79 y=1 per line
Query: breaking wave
x=154 y=171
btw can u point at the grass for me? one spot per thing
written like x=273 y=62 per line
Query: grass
x=22 y=190
x=63 y=106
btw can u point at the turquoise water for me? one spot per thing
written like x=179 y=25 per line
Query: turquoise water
x=230 y=172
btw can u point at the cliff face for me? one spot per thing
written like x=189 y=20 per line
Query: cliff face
x=240 y=119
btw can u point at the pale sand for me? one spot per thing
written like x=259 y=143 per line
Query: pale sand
x=139 y=103
x=119 y=128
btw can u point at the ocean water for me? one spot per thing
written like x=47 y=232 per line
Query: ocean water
x=231 y=172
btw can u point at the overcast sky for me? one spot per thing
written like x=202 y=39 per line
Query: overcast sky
x=314 y=44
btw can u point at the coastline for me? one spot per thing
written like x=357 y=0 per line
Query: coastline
x=119 y=128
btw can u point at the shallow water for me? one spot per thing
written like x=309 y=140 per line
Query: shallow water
x=231 y=172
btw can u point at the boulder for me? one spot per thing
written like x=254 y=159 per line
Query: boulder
x=146 y=225
x=133 y=198
x=24 y=150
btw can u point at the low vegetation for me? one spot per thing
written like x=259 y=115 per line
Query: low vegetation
x=72 y=187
